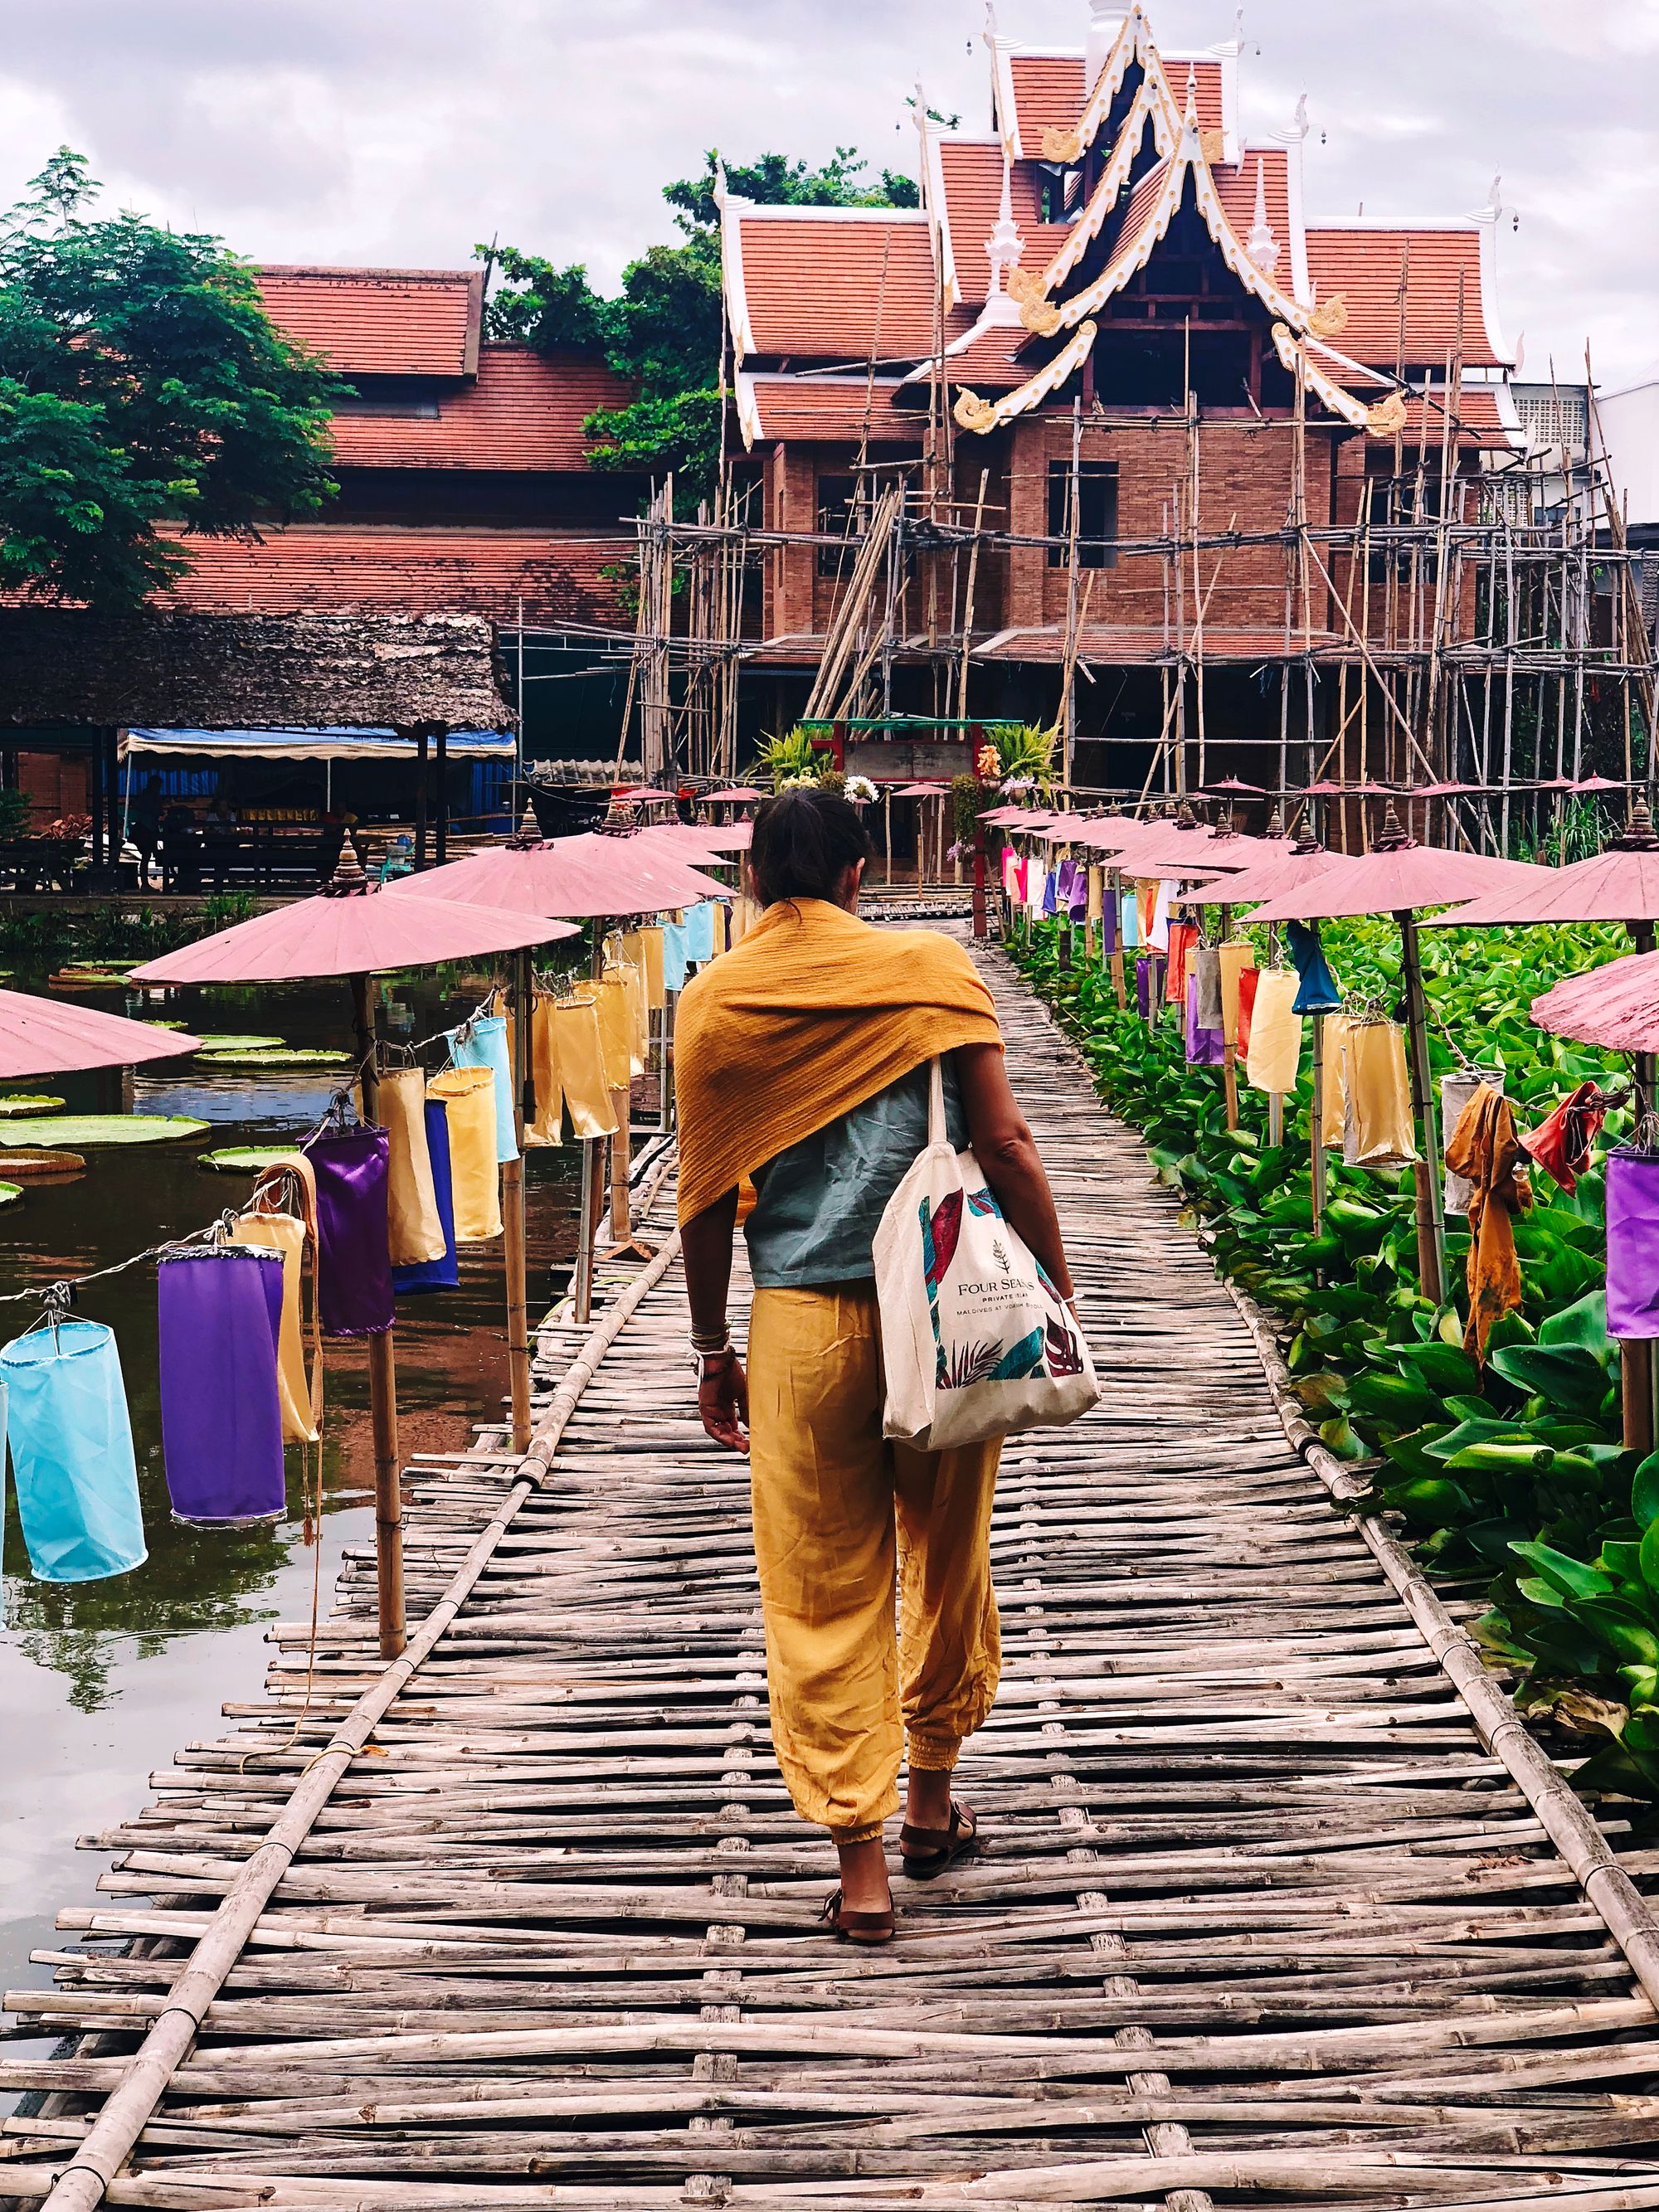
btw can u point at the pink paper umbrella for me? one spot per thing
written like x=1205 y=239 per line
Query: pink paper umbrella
x=1266 y=879
x=592 y=875
x=1615 y=1006
x=1620 y=885
x=735 y=837
x=45 y=1037
x=349 y=929
x=740 y=794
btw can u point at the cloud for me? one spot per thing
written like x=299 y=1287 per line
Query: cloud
x=357 y=130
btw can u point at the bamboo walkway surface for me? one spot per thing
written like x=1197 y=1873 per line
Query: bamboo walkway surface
x=1256 y=1914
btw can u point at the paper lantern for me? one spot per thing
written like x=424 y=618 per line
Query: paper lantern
x=220 y=1318
x=444 y=1272
x=468 y=1095
x=353 y=1259
x=71 y=1452
x=1632 y=1211
x=483 y=1043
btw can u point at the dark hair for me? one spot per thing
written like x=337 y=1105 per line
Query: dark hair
x=805 y=840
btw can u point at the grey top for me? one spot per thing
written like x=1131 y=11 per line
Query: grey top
x=820 y=1203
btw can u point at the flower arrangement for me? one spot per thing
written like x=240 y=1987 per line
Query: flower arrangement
x=860 y=790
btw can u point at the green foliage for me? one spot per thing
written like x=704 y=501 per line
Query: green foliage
x=1025 y=753
x=1514 y=1470
x=539 y=305
x=13 y=814
x=662 y=332
x=792 y=758
x=682 y=434
x=774 y=180
x=142 y=391
x=969 y=797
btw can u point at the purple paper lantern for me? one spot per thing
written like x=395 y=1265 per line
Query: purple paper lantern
x=220 y=1316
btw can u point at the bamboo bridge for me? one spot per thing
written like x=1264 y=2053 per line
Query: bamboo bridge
x=1277 y=1901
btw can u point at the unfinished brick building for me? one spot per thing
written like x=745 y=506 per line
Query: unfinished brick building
x=1126 y=388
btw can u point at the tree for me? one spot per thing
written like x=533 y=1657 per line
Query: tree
x=143 y=389
x=662 y=333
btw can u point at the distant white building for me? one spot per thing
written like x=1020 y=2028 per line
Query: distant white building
x=1629 y=427
x=1628 y=418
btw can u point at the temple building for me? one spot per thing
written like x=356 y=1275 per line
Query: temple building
x=1111 y=336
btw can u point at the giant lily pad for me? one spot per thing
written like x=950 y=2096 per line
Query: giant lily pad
x=227 y=1041
x=30 y=1102
x=38 y=1167
x=275 y=1056
x=244 y=1159
x=85 y=1132
x=9 y=1193
x=89 y=979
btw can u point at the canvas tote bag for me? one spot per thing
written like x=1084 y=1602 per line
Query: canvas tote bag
x=975 y=1341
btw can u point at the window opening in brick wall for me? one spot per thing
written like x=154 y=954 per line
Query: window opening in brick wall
x=1097 y=513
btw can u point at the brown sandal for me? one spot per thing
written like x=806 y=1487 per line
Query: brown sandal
x=927 y=1851
x=867 y=1928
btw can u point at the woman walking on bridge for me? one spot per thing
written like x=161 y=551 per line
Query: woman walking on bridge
x=803 y=1063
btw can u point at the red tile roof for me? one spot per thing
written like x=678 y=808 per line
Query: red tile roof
x=313 y=566
x=1477 y=424
x=823 y=288
x=989 y=363
x=1363 y=264
x=1235 y=185
x=1048 y=89
x=382 y=322
x=524 y=411
x=973 y=194
x=840 y=407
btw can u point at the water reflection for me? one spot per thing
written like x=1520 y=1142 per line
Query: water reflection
x=100 y=1681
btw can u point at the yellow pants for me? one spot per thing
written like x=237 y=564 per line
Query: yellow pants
x=841 y=1518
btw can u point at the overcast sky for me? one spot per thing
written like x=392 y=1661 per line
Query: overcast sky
x=402 y=130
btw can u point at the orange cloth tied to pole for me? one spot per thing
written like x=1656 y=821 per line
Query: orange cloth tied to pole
x=1183 y=943
x=1486 y=1151
x=812 y=1014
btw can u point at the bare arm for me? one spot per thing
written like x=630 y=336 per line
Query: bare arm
x=1006 y=1151
x=706 y=1249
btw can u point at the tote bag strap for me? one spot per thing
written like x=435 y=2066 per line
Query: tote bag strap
x=937 y=1132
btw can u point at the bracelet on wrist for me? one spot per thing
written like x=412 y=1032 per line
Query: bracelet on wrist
x=706 y=1340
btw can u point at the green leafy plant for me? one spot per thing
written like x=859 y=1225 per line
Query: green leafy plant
x=792 y=758
x=1025 y=753
x=144 y=394
x=1515 y=1469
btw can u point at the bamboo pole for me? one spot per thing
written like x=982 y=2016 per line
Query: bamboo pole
x=382 y=1388
x=512 y=1212
x=1431 y=1214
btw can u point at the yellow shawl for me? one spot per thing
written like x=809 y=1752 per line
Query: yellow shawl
x=814 y=1012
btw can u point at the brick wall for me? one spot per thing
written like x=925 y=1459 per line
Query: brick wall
x=1245 y=481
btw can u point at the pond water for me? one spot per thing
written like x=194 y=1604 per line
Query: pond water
x=101 y=1682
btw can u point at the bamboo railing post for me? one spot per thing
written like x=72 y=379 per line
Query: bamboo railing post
x=587 y=1219
x=382 y=1390
x=512 y=1212
x=1229 y=1044
x=1431 y=1218
x=1115 y=893
x=1316 y=1125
